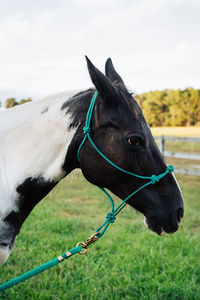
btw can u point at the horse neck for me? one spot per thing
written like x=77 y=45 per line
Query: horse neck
x=34 y=143
x=38 y=144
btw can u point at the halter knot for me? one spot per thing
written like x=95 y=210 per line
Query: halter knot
x=154 y=179
x=110 y=217
x=86 y=129
x=170 y=169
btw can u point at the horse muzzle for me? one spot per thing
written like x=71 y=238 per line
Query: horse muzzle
x=161 y=225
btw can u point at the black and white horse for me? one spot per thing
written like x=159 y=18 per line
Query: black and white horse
x=39 y=143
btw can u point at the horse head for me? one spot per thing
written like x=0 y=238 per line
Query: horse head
x=121 y=132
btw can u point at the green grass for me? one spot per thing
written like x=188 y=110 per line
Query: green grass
x=190 y=147
x=178 y=146
x=129 y=262
x=184 y=163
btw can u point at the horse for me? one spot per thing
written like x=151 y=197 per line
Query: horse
x=39 y=143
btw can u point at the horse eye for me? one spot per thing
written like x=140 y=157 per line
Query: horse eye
x=135 y=141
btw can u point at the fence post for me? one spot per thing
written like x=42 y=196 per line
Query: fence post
x=162 y=144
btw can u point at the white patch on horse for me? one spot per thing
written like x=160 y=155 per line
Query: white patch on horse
x=4 y=254
x=6 y=198
x=177 y=185
x=34 y=140
x=32 y=144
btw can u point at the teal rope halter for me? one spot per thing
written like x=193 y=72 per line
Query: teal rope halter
x=81 y=247
x=110 y=218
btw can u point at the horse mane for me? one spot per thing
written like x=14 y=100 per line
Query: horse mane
x=77 y=106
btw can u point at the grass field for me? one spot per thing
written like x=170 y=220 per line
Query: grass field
x=129 y=262
x=177 y=146
x=190 y=147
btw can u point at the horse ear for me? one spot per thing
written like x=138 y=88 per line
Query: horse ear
x=102 y=83
x=111 y=72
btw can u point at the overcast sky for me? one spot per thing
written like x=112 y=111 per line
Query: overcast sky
x=153 y=44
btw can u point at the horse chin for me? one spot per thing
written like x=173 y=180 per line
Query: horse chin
x=153 y=224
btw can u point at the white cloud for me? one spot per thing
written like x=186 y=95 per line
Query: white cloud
x=154 y=44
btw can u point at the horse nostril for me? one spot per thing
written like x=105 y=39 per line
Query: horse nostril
x=180 y=213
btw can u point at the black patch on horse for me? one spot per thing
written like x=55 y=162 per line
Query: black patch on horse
x=77 y=106
x=31 y=191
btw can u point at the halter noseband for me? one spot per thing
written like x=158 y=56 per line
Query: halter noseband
x=110 y=218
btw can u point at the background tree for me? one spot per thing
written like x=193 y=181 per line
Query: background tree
x=24 y=101
x=10 y=102
x=171 y=107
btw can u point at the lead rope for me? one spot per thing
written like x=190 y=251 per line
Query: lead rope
x=81 y=247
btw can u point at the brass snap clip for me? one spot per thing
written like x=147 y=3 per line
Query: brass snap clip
x=84 y=247
x=93 y=238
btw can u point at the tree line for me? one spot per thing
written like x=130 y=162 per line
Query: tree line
x=167 y=107
x=10 y=102
x=171 y=107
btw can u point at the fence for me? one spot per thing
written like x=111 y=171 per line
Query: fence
x=184 y=155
